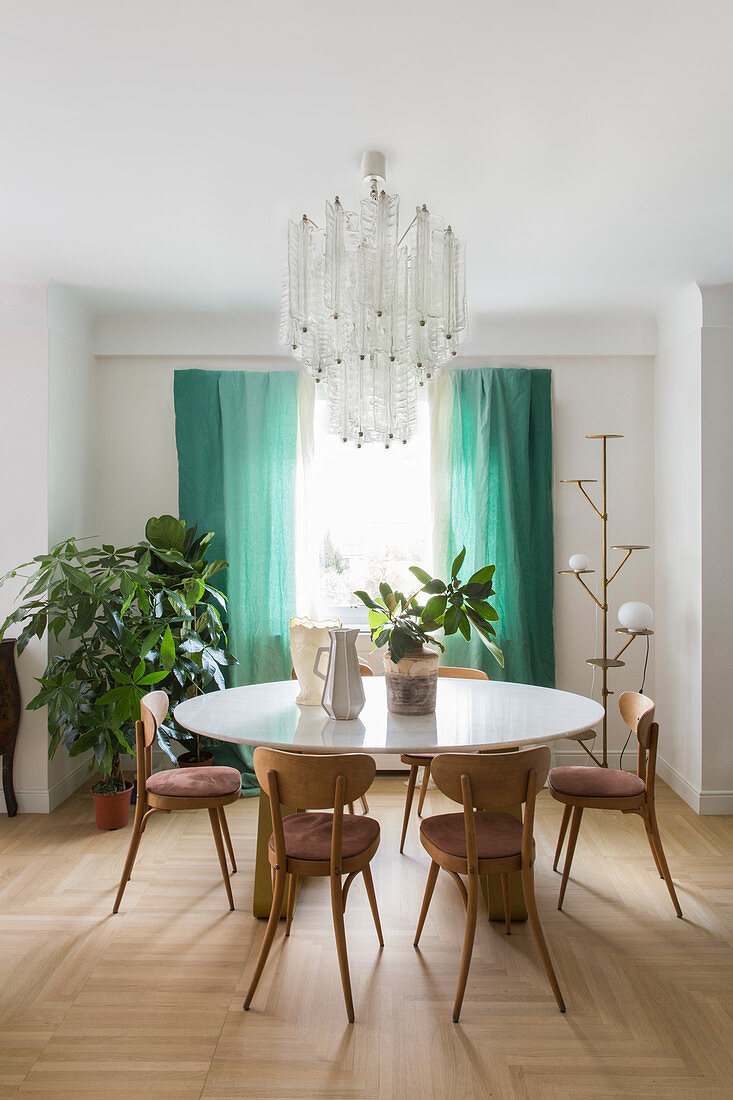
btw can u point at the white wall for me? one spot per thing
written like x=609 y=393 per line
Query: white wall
x=694 y=532
x=677 y=536
x=136 y=464
x=73 y=508
x=717 y=546
x=24 y=526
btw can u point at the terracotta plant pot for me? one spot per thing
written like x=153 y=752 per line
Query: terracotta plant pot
x=112 y=811
x=188 y=759
x=412 y=683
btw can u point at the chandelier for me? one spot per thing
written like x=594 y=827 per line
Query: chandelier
x=371 y=313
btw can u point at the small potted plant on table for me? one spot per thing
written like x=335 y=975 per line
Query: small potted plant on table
x=406 y=624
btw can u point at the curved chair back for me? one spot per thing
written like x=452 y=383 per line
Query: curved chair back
x=309 y=781
x=637 y=712
x=153 y=709
x=462 y=673
x=497 y=780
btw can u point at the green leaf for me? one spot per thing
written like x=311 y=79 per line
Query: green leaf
x=434 y=586
x=366 y=599
x=483 y=576
x=434 y=608
x=485 y=610
x=478 y=591
x=168 y=650
x=165 y=533
x=451 y=620
x=457 y=563
x=385 y=592
x=421 y=575
x=465 y=627
x=377 y=619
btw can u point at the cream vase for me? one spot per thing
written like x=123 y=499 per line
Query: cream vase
x=307 y=636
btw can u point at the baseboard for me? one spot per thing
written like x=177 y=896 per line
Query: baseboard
x=39 y=801
x=705 y=803
x=66 y=786
x=680 y=785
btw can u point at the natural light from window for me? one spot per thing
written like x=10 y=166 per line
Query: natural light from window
x=371 y=515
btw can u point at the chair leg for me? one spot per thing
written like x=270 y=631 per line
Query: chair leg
x=364 y=804
x=662 y=858
x=137 y=832
x=292 y=890
x=408 y=804
x=506 y=895
x=227 y=838
x=429 y=887
x=423 y=789
x=470 y=935
x=574 y=827
x=369 y=883
x=337 y=908
x=563 y=829
x=534 y=921
x=272 y=923
x=219 y=842
x=652 y=845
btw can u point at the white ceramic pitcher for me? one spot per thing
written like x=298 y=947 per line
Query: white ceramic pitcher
x=343 y=690
x=306 y=637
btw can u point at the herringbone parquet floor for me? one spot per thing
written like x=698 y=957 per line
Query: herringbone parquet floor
x=149 y=1003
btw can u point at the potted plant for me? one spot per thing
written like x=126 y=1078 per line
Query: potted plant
x=120 y=627
x=406 y=625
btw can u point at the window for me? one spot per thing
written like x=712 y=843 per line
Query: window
x=370 y=515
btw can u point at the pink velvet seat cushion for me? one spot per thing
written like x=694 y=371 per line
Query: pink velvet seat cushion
x=596 y=782
x=497 y=834
x=308 y=836
x=195 y=782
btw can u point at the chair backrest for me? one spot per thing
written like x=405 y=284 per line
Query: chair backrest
x=153 y=709
x=497 y=779
x=462 y=673
x=308 y=781
x=637 y=712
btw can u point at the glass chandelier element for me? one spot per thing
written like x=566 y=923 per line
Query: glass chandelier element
x=371 y=313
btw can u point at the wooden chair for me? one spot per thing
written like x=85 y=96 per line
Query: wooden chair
x=209 y=788
x=365 y=670
x=483 y=841
x=581 y=788
x=317 y=844
x=424 y=759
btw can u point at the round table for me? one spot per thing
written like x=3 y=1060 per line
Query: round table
x=470 y=714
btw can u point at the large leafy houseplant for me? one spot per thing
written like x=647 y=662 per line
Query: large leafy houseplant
x=406 y=623
x=122 y=622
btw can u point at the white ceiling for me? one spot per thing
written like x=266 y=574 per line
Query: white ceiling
x=152 y=150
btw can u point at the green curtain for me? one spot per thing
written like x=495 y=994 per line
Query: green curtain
x=236 y=434
x=492 y=491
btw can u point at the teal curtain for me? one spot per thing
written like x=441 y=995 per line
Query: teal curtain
x=492 y=462
x=236 y=434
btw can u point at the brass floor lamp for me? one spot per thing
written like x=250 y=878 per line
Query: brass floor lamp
x=604 y=662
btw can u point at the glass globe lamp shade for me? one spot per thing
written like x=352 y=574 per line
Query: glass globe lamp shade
x=636 y=616
x=578 y=562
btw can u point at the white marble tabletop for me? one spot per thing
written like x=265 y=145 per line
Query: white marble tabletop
x=470 y=714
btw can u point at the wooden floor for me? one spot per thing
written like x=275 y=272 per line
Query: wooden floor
x=149 y=1003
